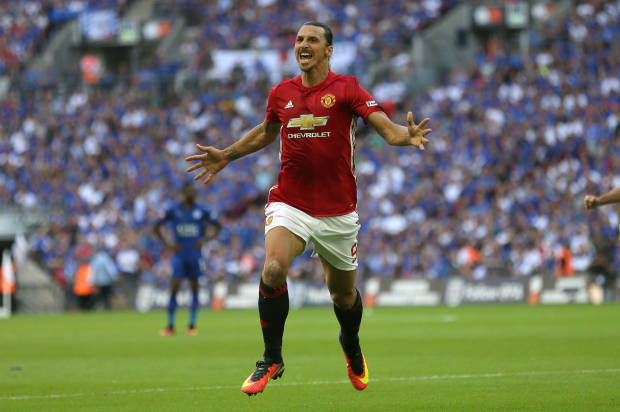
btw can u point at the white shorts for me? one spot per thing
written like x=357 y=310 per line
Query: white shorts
x=334 y=237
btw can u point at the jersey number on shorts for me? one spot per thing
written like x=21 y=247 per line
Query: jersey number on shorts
x=354 y=252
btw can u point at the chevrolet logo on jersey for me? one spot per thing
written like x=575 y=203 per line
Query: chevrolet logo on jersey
x=307 y=122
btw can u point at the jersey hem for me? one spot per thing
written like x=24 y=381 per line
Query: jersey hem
x=308 y=212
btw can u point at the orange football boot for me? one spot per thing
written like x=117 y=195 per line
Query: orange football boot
x=257 y=381
x=360 y=382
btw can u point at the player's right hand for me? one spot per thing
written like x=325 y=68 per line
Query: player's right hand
x=590 y=202
x=211 y=161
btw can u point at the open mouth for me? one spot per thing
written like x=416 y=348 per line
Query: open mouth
x=305 y=56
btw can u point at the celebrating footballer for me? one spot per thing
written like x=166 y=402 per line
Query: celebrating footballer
x=315 y=197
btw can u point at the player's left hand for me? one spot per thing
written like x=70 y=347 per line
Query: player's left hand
x=417 y=132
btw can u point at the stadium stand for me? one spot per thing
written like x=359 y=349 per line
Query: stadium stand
x=25 y=25
x=379 y=30
x=513 y=144
x=22 y=25
x=61 y=11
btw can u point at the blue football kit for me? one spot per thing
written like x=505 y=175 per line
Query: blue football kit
x=188 y=225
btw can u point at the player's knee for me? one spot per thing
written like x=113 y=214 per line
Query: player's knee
x=274 y=274
x=175 y=285
x=344 y=299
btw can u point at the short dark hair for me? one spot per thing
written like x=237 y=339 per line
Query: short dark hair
x=329 y=37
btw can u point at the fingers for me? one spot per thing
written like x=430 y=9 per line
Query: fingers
x=208 y=179
x=202 y=161
x=420 y=125
x=194 y=167
x=589 y=202
x=201 y=174
x=198 y=157
x=418 y=129
x=418 y=142
x=202 y=148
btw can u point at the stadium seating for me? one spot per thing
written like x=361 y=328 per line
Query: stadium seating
x=64 y=10
x=22 y=25
x=497 y=192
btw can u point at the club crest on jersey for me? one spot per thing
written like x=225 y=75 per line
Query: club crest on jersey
x=307 y=121
x=328 y=100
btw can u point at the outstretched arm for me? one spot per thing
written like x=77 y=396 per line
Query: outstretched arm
x=397 y=135
x=613 y=196
x=213 y=160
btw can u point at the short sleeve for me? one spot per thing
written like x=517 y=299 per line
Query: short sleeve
x=210 y=217
x=362 y=102
x=272 y=111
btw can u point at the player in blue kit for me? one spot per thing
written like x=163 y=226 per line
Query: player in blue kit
x=189 y=222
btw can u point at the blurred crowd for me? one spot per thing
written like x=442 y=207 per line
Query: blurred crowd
x=60 y=11
x=24 y=25
x=379 y=30
x=516 y=143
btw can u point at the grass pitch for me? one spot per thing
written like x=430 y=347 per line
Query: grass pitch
x=482 y=358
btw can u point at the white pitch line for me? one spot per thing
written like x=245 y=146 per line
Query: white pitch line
x=334 y=382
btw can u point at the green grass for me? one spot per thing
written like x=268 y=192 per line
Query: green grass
x=482 y=358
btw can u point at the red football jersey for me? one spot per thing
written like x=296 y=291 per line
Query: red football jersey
x=317 y=143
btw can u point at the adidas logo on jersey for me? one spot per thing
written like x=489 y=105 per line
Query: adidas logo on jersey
x=289 y=104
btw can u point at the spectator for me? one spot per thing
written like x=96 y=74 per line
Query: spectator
x=104 y=274
x=508 y=162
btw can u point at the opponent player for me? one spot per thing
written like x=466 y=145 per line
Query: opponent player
x=189 y=222
x=315 y=197
x=591 y=201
